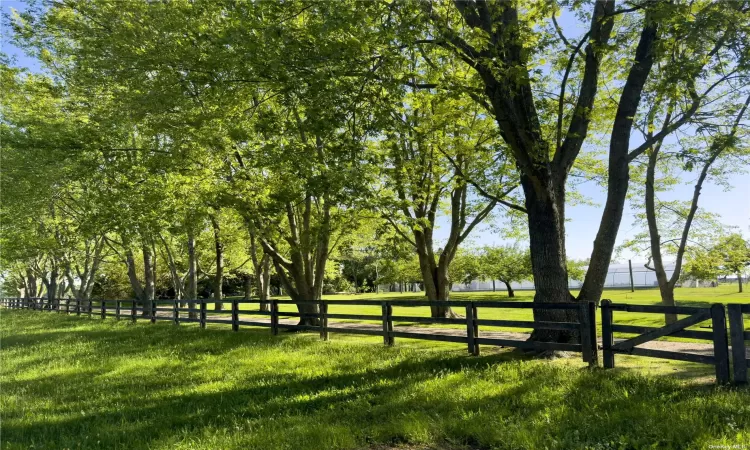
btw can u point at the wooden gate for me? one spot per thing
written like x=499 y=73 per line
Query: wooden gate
x=718 y=335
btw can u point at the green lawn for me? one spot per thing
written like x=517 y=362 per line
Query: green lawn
x=71 y=382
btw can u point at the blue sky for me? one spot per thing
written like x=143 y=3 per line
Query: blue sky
x=583 y=220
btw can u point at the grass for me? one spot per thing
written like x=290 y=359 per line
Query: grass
x=71 y=382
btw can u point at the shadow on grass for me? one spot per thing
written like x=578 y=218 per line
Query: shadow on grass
x=206 y=391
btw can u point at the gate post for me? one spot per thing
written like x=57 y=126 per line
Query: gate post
x=175 y=312
x=608 y=340
x=588 y=342
x=721 y=346
x=203 y=314
x=737 y=334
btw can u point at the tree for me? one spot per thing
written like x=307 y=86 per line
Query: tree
x=508 y=264
x=505 y=45
x=734 y=253
x=434 y=142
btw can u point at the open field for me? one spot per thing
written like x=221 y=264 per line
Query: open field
x=70 y=382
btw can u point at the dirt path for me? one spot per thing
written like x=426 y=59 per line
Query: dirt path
x=683 y=347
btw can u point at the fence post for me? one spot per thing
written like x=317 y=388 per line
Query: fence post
x=387 y=310
x=117 y=309
x=67 y=307
x=175 y=312
x=203 y=314
x=470 y=328
x=103 y=308
x=78 y=307
x=721 y=345
x=153 y=310
x=323 y=320
x=391 y=338
x=584 y=327
x=91 y=308
x=737 y=334
x=274 y=317
x=133 y=316
x=235 y=315
x=592 y=333
x=607 y=336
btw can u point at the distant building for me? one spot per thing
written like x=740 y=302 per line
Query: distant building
x=618 y=276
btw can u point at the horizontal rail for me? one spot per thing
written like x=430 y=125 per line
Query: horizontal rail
x=664 y=354
x=441 y=320
x=659 y=309
x=528 y=324
x=692 y=334
x=253 y=323
x=355 y=316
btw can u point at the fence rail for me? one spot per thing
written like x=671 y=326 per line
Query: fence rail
x=196 y=311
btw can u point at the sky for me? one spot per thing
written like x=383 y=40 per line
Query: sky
x=583 y=220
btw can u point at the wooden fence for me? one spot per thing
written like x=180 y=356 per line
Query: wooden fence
x=585 y=326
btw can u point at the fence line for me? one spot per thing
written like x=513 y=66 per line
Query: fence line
x=584 y=327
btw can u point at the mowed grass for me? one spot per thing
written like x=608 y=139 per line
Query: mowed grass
x=74 y=382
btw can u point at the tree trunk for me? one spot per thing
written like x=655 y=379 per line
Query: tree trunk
x=493 y=285
x=619 y=163
x=264 y=286
x=545 y=203
x=31 y=284
x=665 y=286
x=148 y=277
x=739 y=280
x=191 y=292
x=511 y=294
x=219 y=278
x=52 y=286
x=248 y=287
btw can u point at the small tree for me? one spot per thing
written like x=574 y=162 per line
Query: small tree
x=734 y=253
x=508 y=264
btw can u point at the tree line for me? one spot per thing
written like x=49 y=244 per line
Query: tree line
x=218 y=138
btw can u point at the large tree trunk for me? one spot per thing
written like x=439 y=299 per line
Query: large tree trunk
x=545 y=204
x=619 y=163
x=191 y=293
x=219 y=278
x=511 y=294
x=302 y=274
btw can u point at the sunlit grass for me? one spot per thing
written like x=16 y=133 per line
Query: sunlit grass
x=71 y=382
